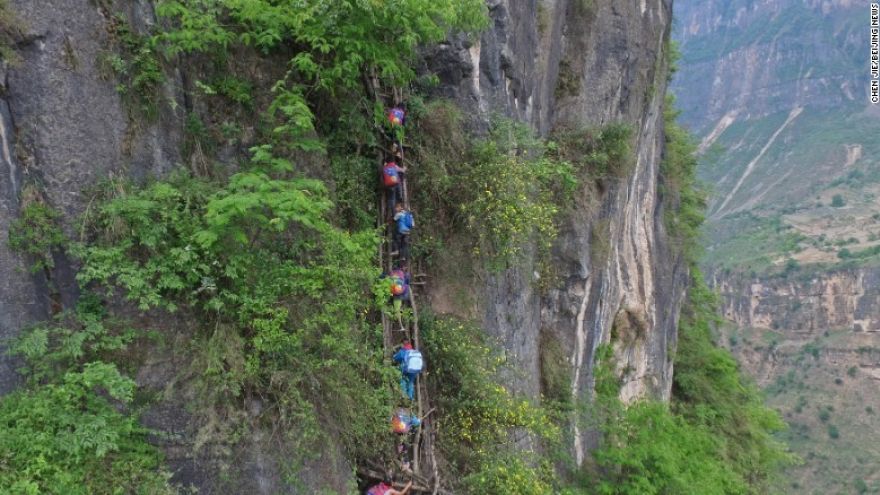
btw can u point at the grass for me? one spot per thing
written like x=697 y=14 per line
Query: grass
x=10 y=30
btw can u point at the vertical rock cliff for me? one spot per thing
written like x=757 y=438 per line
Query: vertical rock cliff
x=578 y=63
x=64 y=127
x=552 y=64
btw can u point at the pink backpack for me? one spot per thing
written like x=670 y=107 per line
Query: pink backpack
x=380 y=489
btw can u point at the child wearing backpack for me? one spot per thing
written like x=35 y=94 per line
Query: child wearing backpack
x=397 y=121
x=411 y=364
x=403 y=424
x=403 y=222
x=399 y=290
x=392 y=180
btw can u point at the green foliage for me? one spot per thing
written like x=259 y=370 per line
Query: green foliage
x=745 y=241
x=73 y=337
x=791 y=266
x=69 y=437
x=282 y=296
x=864 y=254
x=837 y=201
x=136 y=66
x=567 y=81
x=648 y=450
x=600 y=241
x=71 y=430
x=10 y=31
x=833 y=432
x=37 y=234
x=517 y=200
x=506 y=190
x=710 y=392
x=477 y=414
x=684 y=196
x=510 y=475
x=556 y=371
x=717 y=435
x=599 y=153
x=332 y=45
x=233 y=88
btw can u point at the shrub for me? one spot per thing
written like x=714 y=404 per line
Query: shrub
x=860 y=486
x=505 y=191
x=10 y=31
x=477 y=414
x=63 y=438
x=837 y=201
x=37 y=233
x=709 y=391
x=281 y=295
x=598 y=153
x=509 y=476
x=136 y=66
x=648 y=450
x=684 y=198
x=516 y=199
x=833 y=432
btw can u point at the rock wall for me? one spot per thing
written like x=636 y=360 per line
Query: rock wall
x=805 y=305
x=583 y=63
x=63 y=128
x=548 y=63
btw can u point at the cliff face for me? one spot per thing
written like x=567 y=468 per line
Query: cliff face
x=799 y=310
x=549 y=63
x=779 y=88
x=64 y=127
x=557 y=64
x=748 y=59
x=805 y=306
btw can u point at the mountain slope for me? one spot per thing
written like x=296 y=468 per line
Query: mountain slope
x=777 y=93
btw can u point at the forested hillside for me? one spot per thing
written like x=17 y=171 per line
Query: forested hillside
x=200 y=287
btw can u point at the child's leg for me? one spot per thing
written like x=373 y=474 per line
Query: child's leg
x=397 y=305
x=391 y=200
x=403 y=246
x=410 y=388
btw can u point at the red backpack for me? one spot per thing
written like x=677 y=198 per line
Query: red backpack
x=390 y=176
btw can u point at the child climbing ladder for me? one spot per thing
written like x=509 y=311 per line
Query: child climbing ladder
x=395 y=259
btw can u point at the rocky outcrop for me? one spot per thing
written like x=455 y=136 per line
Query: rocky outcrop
x=805 y=305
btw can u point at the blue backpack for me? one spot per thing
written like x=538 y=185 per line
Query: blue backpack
x=405 y=223
x=413 y=362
